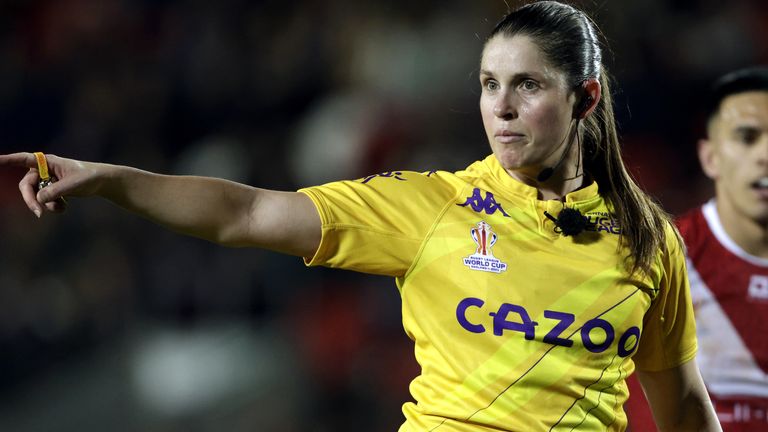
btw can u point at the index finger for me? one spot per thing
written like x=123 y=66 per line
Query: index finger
x=26 y=160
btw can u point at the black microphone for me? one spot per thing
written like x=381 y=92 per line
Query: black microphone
x=545 y=174
x=570 y=221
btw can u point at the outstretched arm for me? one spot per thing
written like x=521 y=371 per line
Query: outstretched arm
x=679 y=400
x=217 y=210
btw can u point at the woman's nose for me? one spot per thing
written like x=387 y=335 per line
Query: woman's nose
x=504 y=108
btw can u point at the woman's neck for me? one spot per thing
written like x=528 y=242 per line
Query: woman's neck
x=567 y=177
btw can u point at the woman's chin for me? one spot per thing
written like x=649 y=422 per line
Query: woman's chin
x=516 y=166
x=509 y=160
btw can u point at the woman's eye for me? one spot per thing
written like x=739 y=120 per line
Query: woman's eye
x=529 y=85
x=491 y=85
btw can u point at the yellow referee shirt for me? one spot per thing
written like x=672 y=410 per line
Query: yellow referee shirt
x=516 y=327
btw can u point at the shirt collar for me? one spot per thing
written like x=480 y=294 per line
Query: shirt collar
x=516 y=187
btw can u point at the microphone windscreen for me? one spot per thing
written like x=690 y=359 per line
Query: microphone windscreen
x=571 y=221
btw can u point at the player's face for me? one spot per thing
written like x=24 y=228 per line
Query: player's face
x=525 y=103
x=736 y=155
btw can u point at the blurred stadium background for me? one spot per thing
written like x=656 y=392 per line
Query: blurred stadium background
x=107 y=322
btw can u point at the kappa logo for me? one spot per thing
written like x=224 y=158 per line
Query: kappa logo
x=483 y=259
x=480 y=204
x=387 y=174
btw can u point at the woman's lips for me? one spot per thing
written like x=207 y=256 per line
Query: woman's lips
x=507 y=137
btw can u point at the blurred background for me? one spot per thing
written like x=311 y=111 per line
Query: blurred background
x=108 y=322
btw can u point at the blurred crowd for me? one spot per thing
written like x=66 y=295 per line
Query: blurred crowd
x=108 y=322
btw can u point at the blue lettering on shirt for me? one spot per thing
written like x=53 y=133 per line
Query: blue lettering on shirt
x=597 y=335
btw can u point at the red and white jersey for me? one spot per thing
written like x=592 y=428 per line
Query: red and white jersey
x=729 y=288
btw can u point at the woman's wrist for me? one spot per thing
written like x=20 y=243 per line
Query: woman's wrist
x=108 y=180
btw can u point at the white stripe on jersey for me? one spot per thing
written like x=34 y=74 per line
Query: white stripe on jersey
x=726 y=363
x=713 y=221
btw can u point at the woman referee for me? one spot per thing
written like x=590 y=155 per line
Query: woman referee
x=533 y=282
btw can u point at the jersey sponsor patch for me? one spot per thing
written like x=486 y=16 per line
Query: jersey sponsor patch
x=602 y=222
x=483 y=259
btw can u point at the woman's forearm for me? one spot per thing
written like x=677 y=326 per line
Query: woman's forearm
x=209 y=208
x=217 y=210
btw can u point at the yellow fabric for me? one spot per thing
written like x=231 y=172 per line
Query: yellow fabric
x=516 y=327
x=42 y=166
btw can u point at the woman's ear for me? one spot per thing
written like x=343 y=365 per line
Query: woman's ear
x=591 y=91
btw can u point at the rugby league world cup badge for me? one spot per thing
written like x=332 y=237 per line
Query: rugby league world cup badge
x=483 y=259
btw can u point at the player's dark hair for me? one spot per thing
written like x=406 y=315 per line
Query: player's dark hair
x=743 y=80
x=569 y=41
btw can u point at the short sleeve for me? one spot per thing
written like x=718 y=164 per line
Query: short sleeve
x=669 y=327
x=377 y=224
